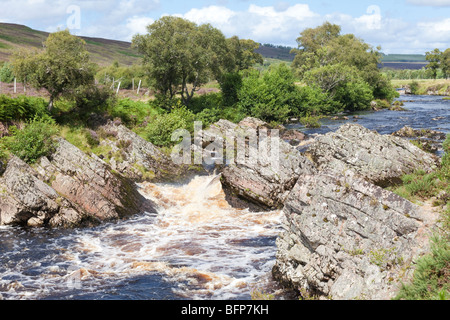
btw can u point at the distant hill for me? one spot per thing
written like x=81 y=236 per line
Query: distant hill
x=275 y=52
x=103 y=51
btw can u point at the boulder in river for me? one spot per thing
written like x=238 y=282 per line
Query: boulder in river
x=380 y=159
x=268 y=180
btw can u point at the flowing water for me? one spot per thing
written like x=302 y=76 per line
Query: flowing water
x=195 y=246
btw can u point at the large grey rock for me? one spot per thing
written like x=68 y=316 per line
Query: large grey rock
x=276 y=165
x=380 y=159
x=26 y=200
x=344 y=237
x=138 y=158
x=68 y=189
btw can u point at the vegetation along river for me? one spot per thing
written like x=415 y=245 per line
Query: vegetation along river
x=195 y=247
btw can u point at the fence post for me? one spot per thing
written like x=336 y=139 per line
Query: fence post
x=132 y=81
x=118 y=87
x=139 y=86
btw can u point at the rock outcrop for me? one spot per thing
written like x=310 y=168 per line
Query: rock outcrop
x=137 y=158
x=268 y=179
x=65 y=190
x=380 y=159
x=344 y=238
x=428 y=140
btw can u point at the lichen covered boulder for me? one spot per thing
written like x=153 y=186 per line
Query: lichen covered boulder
x=345 y=238
x=380 y=159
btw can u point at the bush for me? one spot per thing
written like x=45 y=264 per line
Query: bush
x=414 y=86
x=159 y=131
x=312 y=100
x=230 y=85
x=6 y=73
x=268 y=97
x=21 y=108
x=310 y=121
x=206 y=101
x=132 y=112
x=93 y=99
x=354 y=95
x=34 y=141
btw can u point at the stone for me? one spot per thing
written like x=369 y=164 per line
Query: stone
x=67 y=189
x=25 y=199
x=380 y=159
x=268 y=180
x=140 y=160
x=344 y=237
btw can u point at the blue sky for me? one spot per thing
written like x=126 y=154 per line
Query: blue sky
x=401 y=26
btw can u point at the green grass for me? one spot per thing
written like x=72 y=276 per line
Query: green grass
x=5 y=45
x=431 y=280
x=93 y=42
x=432 y=274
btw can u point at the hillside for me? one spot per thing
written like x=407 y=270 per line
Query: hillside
x=275 y=52
x=103 y=51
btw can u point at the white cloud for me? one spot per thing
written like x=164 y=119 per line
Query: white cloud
x=212 y=14
x=257 y=22
x=138 y=25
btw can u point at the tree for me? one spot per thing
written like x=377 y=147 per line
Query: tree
x=180 y=56
x=445 y=63
x=242 y=53
x=434 y=60
x=324 y=51
x=60 y=68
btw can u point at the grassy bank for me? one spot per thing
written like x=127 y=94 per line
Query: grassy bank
x=431 y=280
x=441 y=86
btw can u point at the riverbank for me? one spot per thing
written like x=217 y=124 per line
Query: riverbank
x=424 y=86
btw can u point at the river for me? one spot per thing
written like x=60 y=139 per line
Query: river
x=194 y=247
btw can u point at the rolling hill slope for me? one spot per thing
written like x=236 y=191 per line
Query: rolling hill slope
x=103 y=51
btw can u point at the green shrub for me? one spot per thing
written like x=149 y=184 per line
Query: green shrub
x=206 y=101
x=21 y=108
x=209 y=116
x=354 y=95
x=159 y=131
x=93 y=98
x=230 y=85
x=414 y=86
x=311 y=121
x=312 y=100
x=132 y=112
x=6 y=73
x=34 y=141
x=431 y=279
x=268 y=97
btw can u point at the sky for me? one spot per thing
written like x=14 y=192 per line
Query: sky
x=397 y=26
